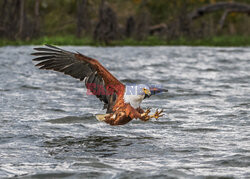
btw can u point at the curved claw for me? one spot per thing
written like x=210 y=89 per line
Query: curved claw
x=148 y=110
x=145 y=117
x=158 y=114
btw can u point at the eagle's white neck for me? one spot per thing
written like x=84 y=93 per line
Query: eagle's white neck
x=132 y=98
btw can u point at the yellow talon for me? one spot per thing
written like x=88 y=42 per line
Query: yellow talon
x=157 y=114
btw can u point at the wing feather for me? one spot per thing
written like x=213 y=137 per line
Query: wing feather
x=83 y=68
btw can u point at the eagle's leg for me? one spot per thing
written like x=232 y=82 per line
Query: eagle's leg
x=108 y=119
x=118 y=118
x=144 y=115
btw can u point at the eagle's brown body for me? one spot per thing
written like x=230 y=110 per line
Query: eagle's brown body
x=92 y=72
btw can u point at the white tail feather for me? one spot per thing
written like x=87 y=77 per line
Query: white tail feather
x=101 y=117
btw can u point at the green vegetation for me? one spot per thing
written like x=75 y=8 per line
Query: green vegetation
x=57 y=40
x=224 y=41
x=125 y=23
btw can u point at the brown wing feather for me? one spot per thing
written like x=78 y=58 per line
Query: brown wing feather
x=83 y=68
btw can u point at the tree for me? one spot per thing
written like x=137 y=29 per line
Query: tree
x=83 y=22
x=130 y=26
x=21 y=19
x=142 y=22
x=228 y=7
x=107 y=28
x=10 y=21
x=37 y=18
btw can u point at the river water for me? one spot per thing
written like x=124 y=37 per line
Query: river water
x=48 y=128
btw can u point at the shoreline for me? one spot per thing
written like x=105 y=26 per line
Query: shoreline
x=216 y=41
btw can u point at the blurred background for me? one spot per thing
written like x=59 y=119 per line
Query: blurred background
x=119 y=22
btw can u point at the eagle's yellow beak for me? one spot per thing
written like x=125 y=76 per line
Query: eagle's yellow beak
x=147 y=92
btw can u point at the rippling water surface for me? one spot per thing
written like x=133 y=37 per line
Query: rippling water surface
x=48 y=128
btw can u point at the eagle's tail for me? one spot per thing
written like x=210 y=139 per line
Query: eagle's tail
x=101 y=117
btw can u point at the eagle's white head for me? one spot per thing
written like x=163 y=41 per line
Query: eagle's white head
x=134 y=94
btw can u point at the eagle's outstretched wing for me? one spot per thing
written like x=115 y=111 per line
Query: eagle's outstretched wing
x=97 y=78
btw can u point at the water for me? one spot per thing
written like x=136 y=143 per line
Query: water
x=48 y=128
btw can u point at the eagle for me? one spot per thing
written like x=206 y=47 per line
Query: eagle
x=122 y=102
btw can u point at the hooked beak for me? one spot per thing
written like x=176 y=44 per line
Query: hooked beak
x=155 y=90
x=147 y=93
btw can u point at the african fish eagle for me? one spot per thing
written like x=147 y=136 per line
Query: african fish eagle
x=121 y=105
